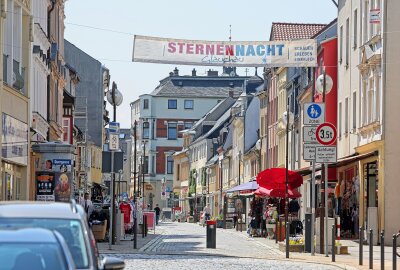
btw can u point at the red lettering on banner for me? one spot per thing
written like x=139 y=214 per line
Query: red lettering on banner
x=220 y=50
x=189 y=48
x=199 y=49
x=180 y=45
x=229 y=50
x=171 y=47
x=210 y=49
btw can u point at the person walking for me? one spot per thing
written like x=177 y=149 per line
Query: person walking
x=158 y=212
x=87 y=205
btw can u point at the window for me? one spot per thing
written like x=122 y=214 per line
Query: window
x=146 y=130
x=189 y=104
x=365 y=22
x=340 y=120
x=355 y=25
x=354 y=110
x=188 y=125
x=170 y=165
x=378 y=98
x=364 y=102
x=172 y=131
x=146 y=165
x=346 y=115
x=341 y=45
x=370 y=100
x=145 y=103
x=347 y=41
x=172 y=104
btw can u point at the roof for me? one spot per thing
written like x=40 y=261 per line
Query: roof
x=293 y=31
x=39 y=210
x=30 y=235
x=199 y=86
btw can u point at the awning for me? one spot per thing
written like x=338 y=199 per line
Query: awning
x=245 y=186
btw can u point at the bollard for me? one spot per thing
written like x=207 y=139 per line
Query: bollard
x=371 y=251
x=394 y=252
x=333 y=243
x=360 y=250
x=145 y=226
x=382 y=249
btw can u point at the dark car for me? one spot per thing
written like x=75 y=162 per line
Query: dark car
x=34 y=249
x=67 y=219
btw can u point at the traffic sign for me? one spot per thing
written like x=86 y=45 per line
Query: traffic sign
x=309 y=134
x=326 y=134
x=314 y=113
x=326 y=154
x=309 y=151
x=114 y=142
x=113 y=127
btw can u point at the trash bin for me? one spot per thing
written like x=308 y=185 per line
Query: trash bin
x=211 y=234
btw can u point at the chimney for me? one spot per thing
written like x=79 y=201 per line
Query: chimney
x=171 y=74
x=176 y=71
x=231 y=93
x=212 y=73
x=194 y=72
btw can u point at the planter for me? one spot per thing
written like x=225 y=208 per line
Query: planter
x=220 y=223
x=342 y=250
x=292 y=248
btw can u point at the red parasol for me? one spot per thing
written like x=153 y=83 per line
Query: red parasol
x=276 y=193
x=275 y=178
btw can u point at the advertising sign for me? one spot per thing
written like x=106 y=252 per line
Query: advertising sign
x=62 y=190
x=375 y=16
x=296 y=53
x=45 y=186
x=14 y=139
x=151 y=219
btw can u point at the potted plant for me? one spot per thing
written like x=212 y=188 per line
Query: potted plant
x=220 y=221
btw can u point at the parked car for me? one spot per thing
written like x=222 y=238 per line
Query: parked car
x=67 y=219
x=34 y=249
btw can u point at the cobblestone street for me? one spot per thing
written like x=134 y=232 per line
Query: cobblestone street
x=183 y=246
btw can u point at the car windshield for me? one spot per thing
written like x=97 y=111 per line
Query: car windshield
x=33 y=256
x=71 y=230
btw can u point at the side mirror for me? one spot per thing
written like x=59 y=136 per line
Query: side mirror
x=110 y=263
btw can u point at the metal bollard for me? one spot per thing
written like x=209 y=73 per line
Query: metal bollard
x=394 y=252
x=333 y=243
x=371 y=251
x=360 y=250
x=382 y=249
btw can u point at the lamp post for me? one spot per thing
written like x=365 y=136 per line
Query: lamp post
x=239 y=155
x=115 y=98
x=288 y=121
x=259 y=147
x=134 y=184
x=324 y=85
x=208 y=171
x=220 y=183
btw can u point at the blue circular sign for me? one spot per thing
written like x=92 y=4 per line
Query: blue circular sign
x=314 y=111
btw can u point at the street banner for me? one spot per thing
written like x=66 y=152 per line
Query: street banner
x=295 y=53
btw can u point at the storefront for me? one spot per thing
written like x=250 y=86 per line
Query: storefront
x=14 y=139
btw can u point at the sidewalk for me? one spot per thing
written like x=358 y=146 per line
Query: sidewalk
x=341 y=260
x=126 y=245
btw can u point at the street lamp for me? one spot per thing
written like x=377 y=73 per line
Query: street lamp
x=324 y=85
x=259 y=147
x=208 y=171
x=288 y=120
x=239 y=156
x=114 y=97
x=143 y=167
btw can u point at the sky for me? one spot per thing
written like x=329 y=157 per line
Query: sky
x=104 y=29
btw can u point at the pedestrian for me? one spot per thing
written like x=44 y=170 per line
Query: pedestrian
x=207 y=212
x=158 y=212
x=87 y=205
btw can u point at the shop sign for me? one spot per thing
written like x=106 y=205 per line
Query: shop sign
x=14 y=139
x=295 y=53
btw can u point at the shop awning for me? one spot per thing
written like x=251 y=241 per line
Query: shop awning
x=245 y=186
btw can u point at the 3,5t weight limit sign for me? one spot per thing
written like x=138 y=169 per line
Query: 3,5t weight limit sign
x=326 y=134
